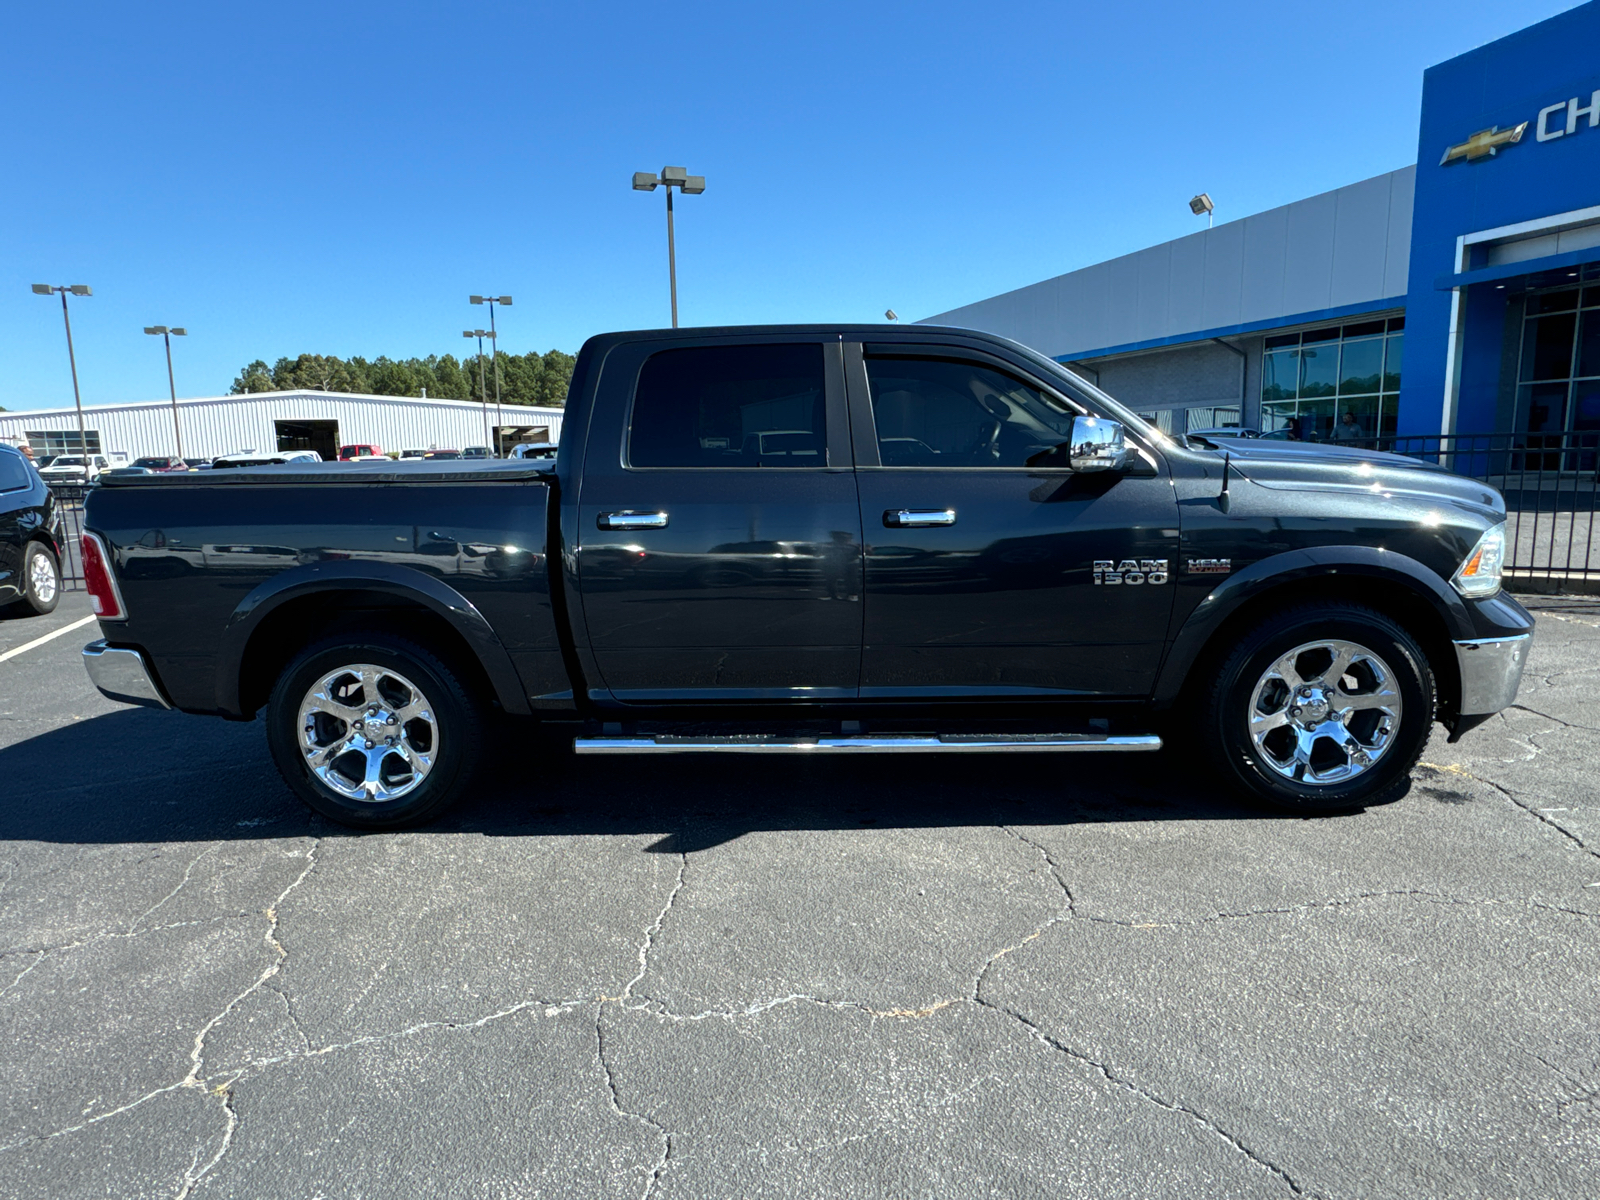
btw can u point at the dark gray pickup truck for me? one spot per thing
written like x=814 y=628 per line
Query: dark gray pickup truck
x=818 y=540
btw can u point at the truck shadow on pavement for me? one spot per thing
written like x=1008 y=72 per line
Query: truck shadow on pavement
x=138 y=775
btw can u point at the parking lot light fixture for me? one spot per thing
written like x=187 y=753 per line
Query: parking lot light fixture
x=689 y=185
x=483 y=384
x=1201 y=205
x=76 y=289
x=494 y=347
x=166 y=336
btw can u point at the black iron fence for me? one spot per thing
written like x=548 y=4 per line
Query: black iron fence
x=1551 y=482
x=69 y=500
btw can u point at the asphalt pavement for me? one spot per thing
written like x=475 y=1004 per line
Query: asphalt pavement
x=1031 y=976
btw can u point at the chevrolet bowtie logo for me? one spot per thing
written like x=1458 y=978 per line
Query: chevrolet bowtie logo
x=1484 y=143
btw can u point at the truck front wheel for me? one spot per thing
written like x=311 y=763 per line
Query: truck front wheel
x=374 y=731
x=1322 y=708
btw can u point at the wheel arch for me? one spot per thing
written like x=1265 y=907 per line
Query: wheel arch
x=301 y=605
x=1390 y=583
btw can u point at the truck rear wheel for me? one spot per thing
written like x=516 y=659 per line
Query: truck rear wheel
x=1323 y=708
x=375 y=731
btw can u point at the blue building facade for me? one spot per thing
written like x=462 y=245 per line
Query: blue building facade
x=1504 y=336
x=1458 y=295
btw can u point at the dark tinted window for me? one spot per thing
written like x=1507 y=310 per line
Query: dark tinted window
x=942 y=413
x=730 y=406
x=14 y=472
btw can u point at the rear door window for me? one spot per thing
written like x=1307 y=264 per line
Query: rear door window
x=940 y=412
x=730 y=406
x=14 y=473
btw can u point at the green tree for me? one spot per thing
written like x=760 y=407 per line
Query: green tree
x=256 y=377
x=532 y=378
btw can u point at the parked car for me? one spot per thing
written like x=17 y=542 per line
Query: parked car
x=197 y=464
x=476 y=452
x=413 y=454
x=1041 y=571
x=32 y=539
x=359 y=450
x=452 y=454
x=254 y=458
x=75 y=468
x=161 y=462
x=128 y=471
x=538 y=450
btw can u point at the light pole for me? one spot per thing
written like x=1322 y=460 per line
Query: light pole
x=689 y=185
x=491 y=301
x=483 y=381
x=166 y=336
x=77 y=289
x=1202 y=204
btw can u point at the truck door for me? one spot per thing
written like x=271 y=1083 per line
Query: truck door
x=985 y=577
x=719 y=539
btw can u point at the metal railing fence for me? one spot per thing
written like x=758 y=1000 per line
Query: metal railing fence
x=69 y=501
x=1552 y=490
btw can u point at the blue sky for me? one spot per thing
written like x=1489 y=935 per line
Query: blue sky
x=337 y=177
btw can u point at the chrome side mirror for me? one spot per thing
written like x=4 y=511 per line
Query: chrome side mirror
x=1097 y=445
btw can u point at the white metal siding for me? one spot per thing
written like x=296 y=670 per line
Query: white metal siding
x=227 y=424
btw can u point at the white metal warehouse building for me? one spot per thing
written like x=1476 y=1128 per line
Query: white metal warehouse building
x=267 y=421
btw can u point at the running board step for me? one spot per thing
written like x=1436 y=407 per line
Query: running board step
x=961 y=743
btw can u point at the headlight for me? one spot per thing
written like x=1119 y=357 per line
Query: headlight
x=1479 y=575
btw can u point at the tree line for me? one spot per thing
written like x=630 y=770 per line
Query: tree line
x=532 y=378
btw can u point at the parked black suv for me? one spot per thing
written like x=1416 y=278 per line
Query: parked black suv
x=31 y=539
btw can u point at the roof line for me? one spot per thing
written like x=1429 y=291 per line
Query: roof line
x=296 y=393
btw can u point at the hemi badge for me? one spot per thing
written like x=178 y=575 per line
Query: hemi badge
x=1210 y=566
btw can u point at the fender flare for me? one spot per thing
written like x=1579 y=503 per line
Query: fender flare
x=1291 y=566
x=406 y=582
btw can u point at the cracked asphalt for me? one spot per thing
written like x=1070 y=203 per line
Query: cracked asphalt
x=993 y=977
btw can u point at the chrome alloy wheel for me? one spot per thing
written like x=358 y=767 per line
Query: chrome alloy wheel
x=1325 y=712
x=368 y=733
x=42 y=578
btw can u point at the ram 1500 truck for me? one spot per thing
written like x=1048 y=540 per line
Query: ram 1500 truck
x=818 y=540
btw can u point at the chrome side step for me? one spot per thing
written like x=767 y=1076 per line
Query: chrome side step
x=950 y=743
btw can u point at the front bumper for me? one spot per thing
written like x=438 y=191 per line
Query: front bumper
x=122 y=675
x=1491 y=670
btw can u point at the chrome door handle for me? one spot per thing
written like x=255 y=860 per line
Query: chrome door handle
x=917 y=518
x=629 y=519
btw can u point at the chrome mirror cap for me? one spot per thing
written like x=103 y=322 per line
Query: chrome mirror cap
x=1097 y=445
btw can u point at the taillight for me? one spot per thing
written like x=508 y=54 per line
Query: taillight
x=98 y=579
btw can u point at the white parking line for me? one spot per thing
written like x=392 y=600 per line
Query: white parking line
x=26 y=646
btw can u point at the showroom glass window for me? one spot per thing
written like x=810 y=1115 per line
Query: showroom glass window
x=1340 y=383
x=730 y=406
x=940 y=412
x=62 y=441
x=1558 y=379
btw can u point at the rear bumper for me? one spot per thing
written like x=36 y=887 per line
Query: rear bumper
x=1491 y=671
x=122 y=675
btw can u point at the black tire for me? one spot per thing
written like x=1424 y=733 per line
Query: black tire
x=1226 y=710
x=457 y=714
x=38 y=596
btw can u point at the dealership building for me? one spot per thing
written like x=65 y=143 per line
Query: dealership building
x=1460 y=295
x=266 y=421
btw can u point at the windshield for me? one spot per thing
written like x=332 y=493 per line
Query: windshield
x=150 y=462
x=67 y=462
